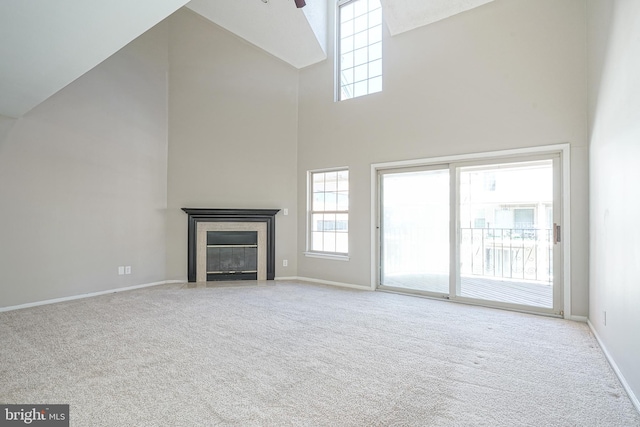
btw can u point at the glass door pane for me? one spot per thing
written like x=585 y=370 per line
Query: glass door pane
x=415 y=230
x=506 y=233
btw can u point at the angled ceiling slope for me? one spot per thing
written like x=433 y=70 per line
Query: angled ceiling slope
x=405 y=15
x=297 y=36
x=48 y=44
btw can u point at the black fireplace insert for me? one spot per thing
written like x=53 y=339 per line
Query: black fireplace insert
x=197 y=215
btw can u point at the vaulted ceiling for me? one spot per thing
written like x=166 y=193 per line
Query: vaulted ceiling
x=48 y=44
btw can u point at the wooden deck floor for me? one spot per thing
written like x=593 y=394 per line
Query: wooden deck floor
x=484 y=288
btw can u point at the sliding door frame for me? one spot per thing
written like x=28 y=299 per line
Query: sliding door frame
x=453 y=162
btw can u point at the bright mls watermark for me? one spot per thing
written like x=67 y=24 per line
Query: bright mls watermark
x=34 y=415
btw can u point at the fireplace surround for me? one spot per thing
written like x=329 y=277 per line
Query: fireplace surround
x=201 y=220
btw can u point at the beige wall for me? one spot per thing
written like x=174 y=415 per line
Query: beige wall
x=508 y=74
x=83 y=181
x=232 y=138
x=614 y=112
x=85 y=186
x=6 y=123
x=244 y=127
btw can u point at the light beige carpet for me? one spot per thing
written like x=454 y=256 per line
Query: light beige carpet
x=282 y=353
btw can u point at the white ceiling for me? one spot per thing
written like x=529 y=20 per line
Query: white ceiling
x=406 y=15
x=48 y=44
x=45 y=44
x=297 y=36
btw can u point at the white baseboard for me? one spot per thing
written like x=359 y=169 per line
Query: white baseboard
x=89 y=295
x=582 y=319
x=614 y=366
x=340 y=284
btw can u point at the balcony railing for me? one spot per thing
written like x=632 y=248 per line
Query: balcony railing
x=510 y=253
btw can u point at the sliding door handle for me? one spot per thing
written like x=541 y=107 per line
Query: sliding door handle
x=557 y=233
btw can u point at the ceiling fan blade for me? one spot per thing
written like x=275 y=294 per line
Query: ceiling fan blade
x=300 y=3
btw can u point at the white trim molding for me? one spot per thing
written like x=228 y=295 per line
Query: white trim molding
x=324 y=255
x=89 y=295
x=614 y=366
x=339 y=284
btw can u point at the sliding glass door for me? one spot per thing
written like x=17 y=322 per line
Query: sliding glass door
x=506 y=223
x=482 y=231
x=415 y=224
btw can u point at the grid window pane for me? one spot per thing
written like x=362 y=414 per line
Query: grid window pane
x=360 y=40
x=343 y=180
x=318 y=201
x=346 y=12
x=361 y=73
x=343 y=201
x=317 y=222
x=360 y=44
x=375 y=34
x=361 y=23
x=346 y=92
x=360 y=7
x=375 y=51
x=343 y=222
x=342 y=242
x=375 y=85
x=317 y=241
x=346 y=28
x=360 y=56
x=329 y=215
x=347 y=60
x=375 y=17
x=346 y=44
x=329 y=244
x=330 y=201
x=329 y=222
x=347 y=76
x=360 y=88
x=331 y=181
x=375 y=68
x=318 y=183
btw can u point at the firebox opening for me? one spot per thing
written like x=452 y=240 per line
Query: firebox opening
x=232 y=255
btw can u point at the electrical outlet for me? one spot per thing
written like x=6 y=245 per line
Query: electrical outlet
x=285 y=263
x=127 y=269
x=285 y=211
x=121 y=270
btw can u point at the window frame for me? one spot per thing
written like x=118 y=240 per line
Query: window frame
x=338 y=54
x=310 y=252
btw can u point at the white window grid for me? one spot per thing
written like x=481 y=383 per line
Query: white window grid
x=329 y=211
x=359 y=47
